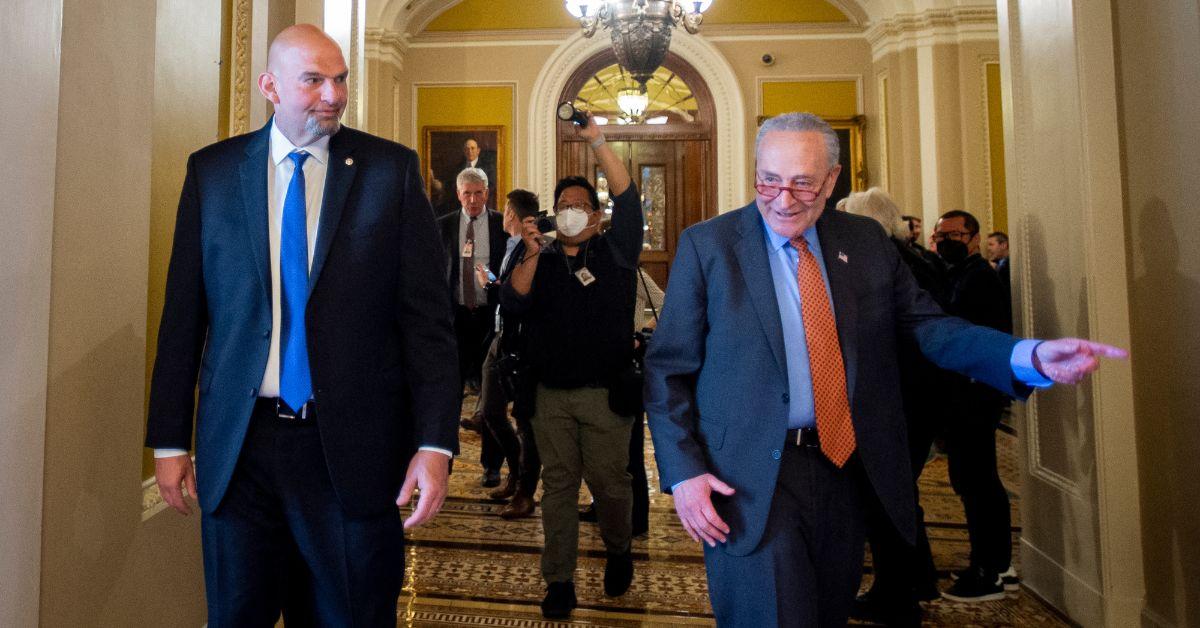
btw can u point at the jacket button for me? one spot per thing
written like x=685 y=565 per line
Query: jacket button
x=266 y=333
x=775 y=455
x=787 y=398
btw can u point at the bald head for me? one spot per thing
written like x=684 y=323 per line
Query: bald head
x=306 y=81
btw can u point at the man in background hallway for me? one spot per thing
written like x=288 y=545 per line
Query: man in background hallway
x=306 y=294
x=472 y=236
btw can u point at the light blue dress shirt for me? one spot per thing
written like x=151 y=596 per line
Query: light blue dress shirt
x=785 y=260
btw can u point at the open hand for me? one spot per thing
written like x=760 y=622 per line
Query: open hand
x=693 y=504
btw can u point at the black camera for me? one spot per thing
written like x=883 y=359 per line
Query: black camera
x=545 y=223
x=568 y=113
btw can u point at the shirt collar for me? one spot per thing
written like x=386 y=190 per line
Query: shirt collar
x=469 y=217
x=281 y=147
x=777 y=241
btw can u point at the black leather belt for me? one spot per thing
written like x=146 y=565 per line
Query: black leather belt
x=803 y=437
x=275 y=408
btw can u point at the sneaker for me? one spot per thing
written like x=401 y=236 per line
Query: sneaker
x=618 y=573
x=559 y=601
x=975 y=585
x=1010 y=580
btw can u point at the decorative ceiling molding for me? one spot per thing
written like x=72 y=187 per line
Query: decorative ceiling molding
x=387 y=46
x=410 y=17
x=935 y=26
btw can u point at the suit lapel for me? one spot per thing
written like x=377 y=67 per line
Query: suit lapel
x=841 y=288
x=756 y=271
x=253 y=173
x=339 y=176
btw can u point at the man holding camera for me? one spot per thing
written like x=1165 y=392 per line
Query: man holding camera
x=577 y=297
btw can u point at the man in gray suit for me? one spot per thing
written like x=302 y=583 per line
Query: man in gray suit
x=773 y=390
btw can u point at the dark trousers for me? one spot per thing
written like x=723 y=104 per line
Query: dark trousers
x=637 y=473
x=971 y=449
x=902 y=571
x=807 y=568
x=517 y=446
x=279 y=541
x=472 y=329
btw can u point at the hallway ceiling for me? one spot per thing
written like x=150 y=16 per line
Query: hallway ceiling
x=412 y=16
x=474 y=15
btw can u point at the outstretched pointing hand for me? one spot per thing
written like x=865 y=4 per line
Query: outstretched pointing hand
x=1069 y=360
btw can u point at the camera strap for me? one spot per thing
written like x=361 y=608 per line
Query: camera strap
x=646 y=288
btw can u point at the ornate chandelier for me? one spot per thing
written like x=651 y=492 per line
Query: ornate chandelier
x=641 y=29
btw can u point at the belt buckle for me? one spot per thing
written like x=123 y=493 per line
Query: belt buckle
x=799 y=436
x=284 y=414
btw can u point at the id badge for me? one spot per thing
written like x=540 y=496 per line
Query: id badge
x=469 y=249
x=585 y=276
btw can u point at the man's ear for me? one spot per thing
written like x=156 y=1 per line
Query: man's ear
x=267 y=85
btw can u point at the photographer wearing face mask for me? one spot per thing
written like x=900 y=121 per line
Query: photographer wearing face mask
x=576 y=296
x=973 y=413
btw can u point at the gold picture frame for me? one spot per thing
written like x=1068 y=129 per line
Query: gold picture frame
x=442 y=157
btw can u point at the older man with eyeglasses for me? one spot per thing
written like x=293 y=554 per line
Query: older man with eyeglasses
x=773 y=389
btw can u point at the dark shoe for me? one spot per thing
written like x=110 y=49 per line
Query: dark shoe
x=641 y=528
x=472 y=424
x=489 y=479
x=506 y=490
x=877 y=609
x=587 y=514
x=521 y=506
x=927 y=592
x=559 y=600
x=618 y=573
x=976 y=585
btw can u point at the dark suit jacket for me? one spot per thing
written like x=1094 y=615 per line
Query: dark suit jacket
x=381 y=347
x=497 y=238
x=716 y=374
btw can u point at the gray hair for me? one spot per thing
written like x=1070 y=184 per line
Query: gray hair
x=471 y=175
x=801 y=122
x=876 y=204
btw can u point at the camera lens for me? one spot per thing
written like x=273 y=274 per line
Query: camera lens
x=568 y=113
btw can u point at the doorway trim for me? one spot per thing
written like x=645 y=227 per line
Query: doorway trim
x=730 y=120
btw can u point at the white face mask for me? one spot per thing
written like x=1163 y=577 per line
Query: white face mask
x=572 y=222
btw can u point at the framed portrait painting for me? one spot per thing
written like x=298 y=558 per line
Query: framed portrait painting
x=448 y=150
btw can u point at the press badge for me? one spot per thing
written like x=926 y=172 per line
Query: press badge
x=585 y=276
x=469 y=249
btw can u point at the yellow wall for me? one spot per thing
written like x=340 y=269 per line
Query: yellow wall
x=996 y=149
x=828 y=99
x=471 y=15
x=469 y=105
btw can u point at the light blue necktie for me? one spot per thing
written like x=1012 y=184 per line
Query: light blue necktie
x=295 y=381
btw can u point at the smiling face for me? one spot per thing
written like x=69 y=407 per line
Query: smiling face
x=795 y=160
x=306 y=82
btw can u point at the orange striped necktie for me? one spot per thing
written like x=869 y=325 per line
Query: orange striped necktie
x=828 y=371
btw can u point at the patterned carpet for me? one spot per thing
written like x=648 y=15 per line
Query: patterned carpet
x=471 y=568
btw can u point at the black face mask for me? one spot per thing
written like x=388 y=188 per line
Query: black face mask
x=952 y=251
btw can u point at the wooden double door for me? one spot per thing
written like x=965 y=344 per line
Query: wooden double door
x=675 y=179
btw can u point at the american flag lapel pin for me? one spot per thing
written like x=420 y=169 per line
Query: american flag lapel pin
x=843 y=258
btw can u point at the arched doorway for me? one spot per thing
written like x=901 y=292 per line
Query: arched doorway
x=671 y=157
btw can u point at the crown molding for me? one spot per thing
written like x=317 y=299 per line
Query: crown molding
x=386 y=45
x=936 y=26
